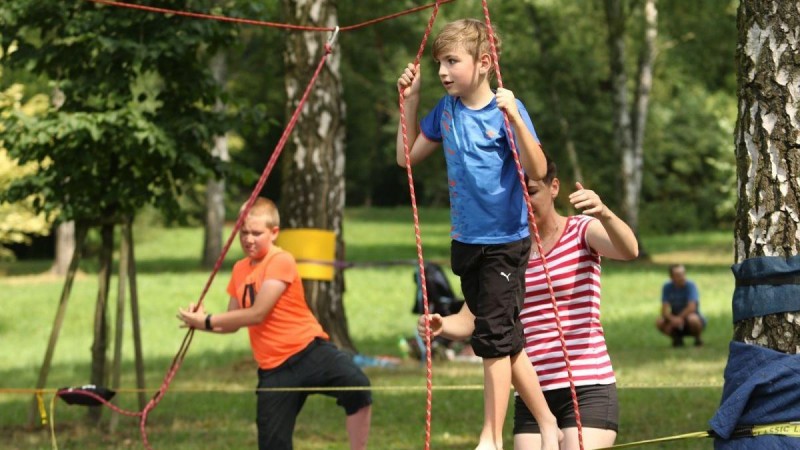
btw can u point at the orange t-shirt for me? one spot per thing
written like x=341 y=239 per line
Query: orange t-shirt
x=290 y=326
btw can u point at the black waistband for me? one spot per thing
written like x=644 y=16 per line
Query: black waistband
x=770 y=281
x=297 y=356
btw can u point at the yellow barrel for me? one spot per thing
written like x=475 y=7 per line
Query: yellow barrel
x=314 y=250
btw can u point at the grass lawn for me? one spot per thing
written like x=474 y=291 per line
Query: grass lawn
x=210 y=404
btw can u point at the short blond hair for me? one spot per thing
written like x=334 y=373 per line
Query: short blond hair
x=470 y=34
x=264 y=207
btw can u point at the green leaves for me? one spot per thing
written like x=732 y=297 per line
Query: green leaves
x=137 y=118
x=145 y=90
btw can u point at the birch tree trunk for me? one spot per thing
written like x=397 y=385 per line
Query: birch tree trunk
x=633 y=161
x=767 y=140
x=312 y=192
x=623 y=137
x=629 y=127
x=215 y=188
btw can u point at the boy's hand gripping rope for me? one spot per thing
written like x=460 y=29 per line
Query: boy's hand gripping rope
x=535 y=228
x=418 y=236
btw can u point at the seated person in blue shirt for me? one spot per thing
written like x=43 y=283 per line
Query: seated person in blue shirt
x=680 y=308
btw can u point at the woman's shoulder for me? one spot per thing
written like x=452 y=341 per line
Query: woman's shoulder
x=578 y=226
x=579 y=221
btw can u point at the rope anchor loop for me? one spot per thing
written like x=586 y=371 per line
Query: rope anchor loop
x=332 y=39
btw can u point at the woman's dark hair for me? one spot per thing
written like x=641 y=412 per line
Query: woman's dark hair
x=552 y=171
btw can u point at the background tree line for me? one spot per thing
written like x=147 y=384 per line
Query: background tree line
x=555 y=58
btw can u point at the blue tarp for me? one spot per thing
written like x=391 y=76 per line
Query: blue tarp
x=762 y=386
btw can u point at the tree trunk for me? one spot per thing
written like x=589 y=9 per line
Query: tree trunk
x=623 y=138
x=312 y=193
x=767 y=140
x=65 y=247
x=65 y=232
x=99 y=374
x=633 y=162
x=215 y=188
x=629 y=127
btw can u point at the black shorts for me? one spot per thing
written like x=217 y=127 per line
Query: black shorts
x=493 y=284
x=597 y=404
x=320 y=364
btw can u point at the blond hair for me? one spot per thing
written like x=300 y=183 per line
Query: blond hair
x=264 y=207
x=470 y=34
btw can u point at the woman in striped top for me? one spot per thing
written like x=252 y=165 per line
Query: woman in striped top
x=572 y=246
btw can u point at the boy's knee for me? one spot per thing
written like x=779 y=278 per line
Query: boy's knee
x=355 y=400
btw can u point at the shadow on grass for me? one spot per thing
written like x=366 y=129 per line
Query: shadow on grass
x=639 y=266
x=19 y=268
x=358 y=255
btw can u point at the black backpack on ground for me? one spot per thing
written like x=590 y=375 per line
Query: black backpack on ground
x=441 y=298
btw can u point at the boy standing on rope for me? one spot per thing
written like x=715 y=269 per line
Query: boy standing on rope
x=290 y=346
x=490 y=234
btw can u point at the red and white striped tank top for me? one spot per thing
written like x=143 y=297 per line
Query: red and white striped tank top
x=575 y=274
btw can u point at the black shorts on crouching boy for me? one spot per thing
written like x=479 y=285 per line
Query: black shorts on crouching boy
x=493 y=284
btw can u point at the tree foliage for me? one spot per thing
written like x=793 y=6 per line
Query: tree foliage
x=559 y=48
x=19 y=220
x=136 y=120
x=554 y=58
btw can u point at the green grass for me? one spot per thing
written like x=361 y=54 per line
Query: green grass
x=210 y=404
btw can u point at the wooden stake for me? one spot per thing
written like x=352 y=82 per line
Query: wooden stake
x=59 y=320
x=122 y=284
x=137 y=334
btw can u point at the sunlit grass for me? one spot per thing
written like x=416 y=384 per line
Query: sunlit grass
x=663 y=391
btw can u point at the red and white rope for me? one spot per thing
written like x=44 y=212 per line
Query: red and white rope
x=534 y=227
x=418 y=237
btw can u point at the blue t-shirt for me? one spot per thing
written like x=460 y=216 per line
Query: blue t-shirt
x=487 y=205
x=680 y=297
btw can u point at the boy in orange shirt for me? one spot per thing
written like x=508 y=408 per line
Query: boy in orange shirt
x=289 y=344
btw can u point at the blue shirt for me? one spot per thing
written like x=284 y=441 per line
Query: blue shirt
x=487 y=205
x=680 y=297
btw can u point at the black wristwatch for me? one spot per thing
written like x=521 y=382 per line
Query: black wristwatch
x=208 y=322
